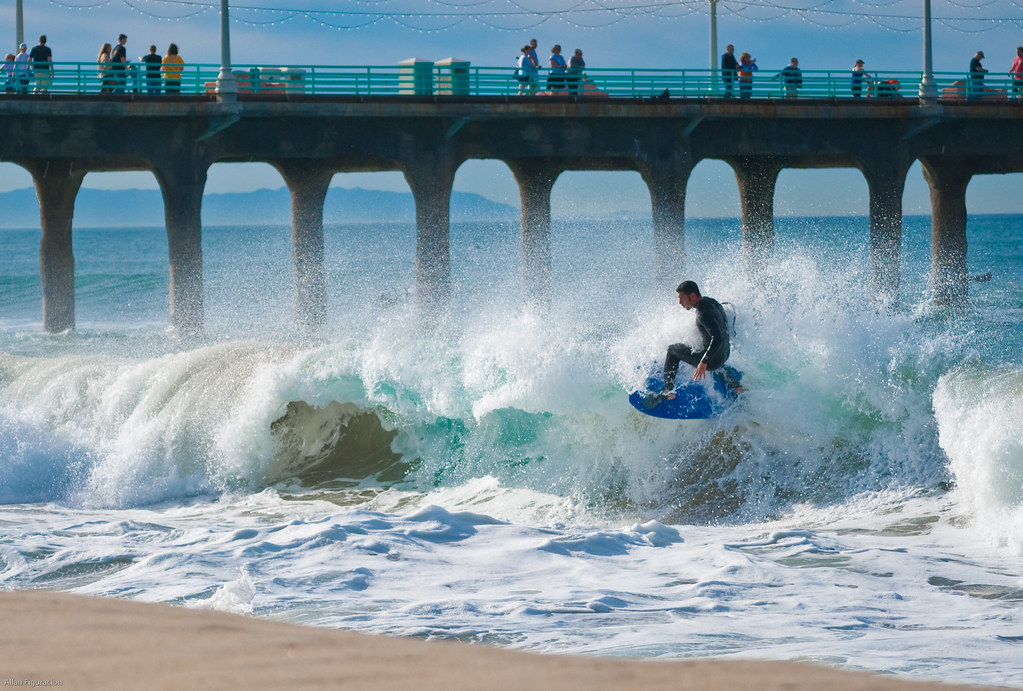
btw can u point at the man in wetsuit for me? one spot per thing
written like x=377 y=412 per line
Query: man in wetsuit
x=713 y=326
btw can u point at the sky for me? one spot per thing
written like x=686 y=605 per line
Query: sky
x=824 y=34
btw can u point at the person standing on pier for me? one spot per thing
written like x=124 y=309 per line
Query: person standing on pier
x=526 y=75
x=119 y=66
x=9 y=73
x=556 y=78
x=729 y=69
x=153 y=62
x=1016 y=72
x=747 y=66
x=42 y=64
x=173 y=66
x=859 y=75
x=791 y=78
x=23 y=68
x=975 y=83
x=103 y=60
x=534 y=60
x=576 y=65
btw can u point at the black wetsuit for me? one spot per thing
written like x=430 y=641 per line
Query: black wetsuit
x=713 y=326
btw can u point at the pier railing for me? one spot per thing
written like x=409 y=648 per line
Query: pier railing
x=464 y=80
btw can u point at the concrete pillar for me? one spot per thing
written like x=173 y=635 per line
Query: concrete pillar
x=536 y=179
x=667 y=185
x=57 y=184
x=182 y=181
x=949 y=279
x=756 y=178
x=431 y=178
x=886 y=181
x=308 y=184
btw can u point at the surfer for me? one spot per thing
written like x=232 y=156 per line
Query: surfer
x=713 y=326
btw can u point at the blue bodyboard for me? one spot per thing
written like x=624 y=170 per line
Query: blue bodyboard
x=693 y=400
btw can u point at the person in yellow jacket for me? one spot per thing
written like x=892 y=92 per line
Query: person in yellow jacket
x=173 y=66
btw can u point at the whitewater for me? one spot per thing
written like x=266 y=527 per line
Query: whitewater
x=480 y=475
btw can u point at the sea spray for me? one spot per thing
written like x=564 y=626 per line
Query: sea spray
x=837 y=404
x=480 y=476
x=980 y=422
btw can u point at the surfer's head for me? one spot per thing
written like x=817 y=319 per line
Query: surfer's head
x=688 y=287
x=688 y=294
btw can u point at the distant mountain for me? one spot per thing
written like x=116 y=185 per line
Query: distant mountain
x=116 y=208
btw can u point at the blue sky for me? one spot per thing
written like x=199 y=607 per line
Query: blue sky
x=828 y=34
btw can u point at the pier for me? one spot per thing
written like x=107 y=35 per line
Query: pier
x=61 y=138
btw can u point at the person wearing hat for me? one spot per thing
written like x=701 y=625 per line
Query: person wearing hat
x=859 y=75
x=22 y=69
x=975 y=82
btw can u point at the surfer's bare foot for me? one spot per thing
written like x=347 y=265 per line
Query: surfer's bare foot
x=671 y=397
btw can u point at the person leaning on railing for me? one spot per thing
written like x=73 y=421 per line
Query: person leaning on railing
x=173 y=66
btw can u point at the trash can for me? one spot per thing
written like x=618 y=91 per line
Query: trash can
x=453 y=77
x=415 y=76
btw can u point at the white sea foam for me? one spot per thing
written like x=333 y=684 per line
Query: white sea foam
x=483 y=477
x=980 y=421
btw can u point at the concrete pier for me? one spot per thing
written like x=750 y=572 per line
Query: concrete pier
x=667 y=180
x=886 y=180
x=57 y=182
x=308 y=187
x=309 y=138
x=182 y=182
x=431 y=178
x=756 y=178
x=536 y=179
x=949 y=277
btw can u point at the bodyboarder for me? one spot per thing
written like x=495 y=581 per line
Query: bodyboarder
x=712 y=324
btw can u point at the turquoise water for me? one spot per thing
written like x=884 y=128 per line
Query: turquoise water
x=483 y=477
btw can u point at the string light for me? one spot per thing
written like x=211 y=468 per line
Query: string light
x=582 y=14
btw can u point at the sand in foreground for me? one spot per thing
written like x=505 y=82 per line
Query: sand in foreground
x=105 y=643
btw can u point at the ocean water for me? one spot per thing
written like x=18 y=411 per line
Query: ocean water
x=482 y=477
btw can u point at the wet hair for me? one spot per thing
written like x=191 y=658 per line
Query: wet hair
x=689 y=288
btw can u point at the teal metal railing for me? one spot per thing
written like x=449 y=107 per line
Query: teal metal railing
x=394 y=80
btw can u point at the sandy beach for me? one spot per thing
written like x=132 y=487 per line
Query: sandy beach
x=78 y=642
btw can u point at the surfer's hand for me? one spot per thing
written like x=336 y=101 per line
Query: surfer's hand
x=701 y=371
x=671 y=397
